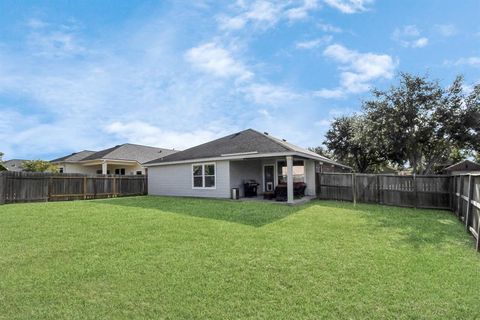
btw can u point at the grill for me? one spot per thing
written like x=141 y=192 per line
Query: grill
x=250 y=188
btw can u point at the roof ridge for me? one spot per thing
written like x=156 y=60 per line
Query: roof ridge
x=462 y=161
x=144 y=146
x=284 y=143
x=274 y=139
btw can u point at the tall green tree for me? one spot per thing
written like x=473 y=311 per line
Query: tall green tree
x=352 y=142
x=477 y=156
x=322 y=151
x=39 y=166
x=420 y=123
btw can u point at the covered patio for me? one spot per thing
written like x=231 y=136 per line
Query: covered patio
x=104 y=166
x=288 y=178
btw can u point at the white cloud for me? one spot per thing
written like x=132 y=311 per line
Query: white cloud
x=35 y=23
x=349 y=6
x=301 y=12
x=420 y=42
x=265 y=14
x=61 y=105
x=261 y=13
x=470 y=61
x=232 y=23
x=358 y=70
x=141 y=132
x=323 y=123
x=330 y=93
x=325 y=27
x=314 y=43
x=55 y=44
x=54 y=41
x=406 y=31
x=410 y=37
x=446 y=30
x=267 y=94
x=214 y=59
x=264 y=113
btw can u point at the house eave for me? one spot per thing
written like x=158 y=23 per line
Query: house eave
x=247 y=156
x=100 y=161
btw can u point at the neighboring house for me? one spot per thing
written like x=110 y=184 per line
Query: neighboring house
x=13 y=164
x=214 y=168
x=125 y=159
x=462 y=167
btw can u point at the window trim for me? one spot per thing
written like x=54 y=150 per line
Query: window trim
x=203 y=164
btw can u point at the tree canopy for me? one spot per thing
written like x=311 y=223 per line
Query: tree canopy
x=2 y=167
x=352 y=142
x=39 y=166
x=416 y=123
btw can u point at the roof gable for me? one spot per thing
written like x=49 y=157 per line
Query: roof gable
x=243 y=142
x=76 y=156
x=464 y=165
x=128 y=151
x=13 y=164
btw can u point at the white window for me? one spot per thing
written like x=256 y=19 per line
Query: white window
x=203 y=176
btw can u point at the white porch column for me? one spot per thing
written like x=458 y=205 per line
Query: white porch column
x=104 y=167
x=289 y=179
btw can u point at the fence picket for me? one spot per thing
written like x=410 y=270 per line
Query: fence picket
x=31 y=186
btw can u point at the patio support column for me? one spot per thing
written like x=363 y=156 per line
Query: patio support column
x=104 y=167
x=289 y=179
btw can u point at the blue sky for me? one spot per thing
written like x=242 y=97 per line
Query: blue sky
x=80 y=75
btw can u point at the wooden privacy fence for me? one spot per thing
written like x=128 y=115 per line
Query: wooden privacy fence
x=406 y=191
x=466 y=202
x=32 y=186
x=459 y=193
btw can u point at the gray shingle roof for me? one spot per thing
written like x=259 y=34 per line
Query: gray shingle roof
x=241 y=142
x=130 y=151
x=13 y=164
x=464 y=165
x=76 y=156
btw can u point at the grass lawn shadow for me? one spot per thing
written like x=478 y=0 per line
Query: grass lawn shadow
x=255 y=214
x=415 y=227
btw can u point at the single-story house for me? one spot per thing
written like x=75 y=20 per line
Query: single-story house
x=462 y=167
x=125 y=159
x=214 y=168
x=13 y=165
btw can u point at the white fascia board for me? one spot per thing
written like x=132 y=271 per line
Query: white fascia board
x=246 y=156
x=111 y=161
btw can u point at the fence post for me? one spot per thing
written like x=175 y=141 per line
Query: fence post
x=354 y=189
x=469 y=197
x=85 y=188
x=377 y=179
x=114 y=187
x=145 y=181
x=459 y=200
x=450 y=201
x=50 y=184
x=478 y=237
x=415 y=191
x=3 y=187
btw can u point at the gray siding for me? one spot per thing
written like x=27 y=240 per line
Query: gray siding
x=176 y=180
x=245 y=170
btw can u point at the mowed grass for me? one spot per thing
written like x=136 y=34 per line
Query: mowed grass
x=174 y=258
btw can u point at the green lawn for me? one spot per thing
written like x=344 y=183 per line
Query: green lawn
x=172 y=258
